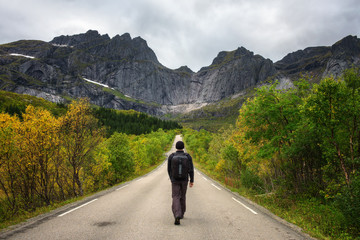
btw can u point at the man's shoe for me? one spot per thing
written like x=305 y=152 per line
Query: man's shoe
x=177 y=221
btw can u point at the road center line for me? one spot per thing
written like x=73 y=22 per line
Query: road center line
x=244 y=206
x=216 y=187
x=77 y=208
x=122 y=187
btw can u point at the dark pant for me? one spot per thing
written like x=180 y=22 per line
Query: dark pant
x=179 y=198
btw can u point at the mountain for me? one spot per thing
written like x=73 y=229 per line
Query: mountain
x=124 y=73
x=319 y=62
x=230 y=73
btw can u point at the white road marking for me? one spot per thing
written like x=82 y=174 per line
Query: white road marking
x=244 y=206
x=77 y=208
x=122 y=187
x=205 y=178
x=139 y=179
x=216 y=187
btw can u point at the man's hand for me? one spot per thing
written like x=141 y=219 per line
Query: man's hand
x=191 y=184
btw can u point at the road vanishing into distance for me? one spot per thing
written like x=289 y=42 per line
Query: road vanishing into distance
x=141 y=209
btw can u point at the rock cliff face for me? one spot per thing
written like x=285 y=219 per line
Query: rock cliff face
x=319 y=62
x=230 y=73
x=127 y=65
x=124 y=73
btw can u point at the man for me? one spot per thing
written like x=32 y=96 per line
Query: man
x=179 y=184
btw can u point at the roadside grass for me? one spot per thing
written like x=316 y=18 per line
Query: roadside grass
x=318 y=219
x=25 y=215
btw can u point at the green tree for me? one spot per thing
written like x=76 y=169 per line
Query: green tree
x=98 y=169
x=334 y=108
x=272 y=119
x=120 y=157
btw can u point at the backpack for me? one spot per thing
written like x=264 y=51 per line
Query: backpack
x=180 y=167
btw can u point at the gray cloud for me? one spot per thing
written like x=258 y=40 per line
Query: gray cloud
x=189 y=32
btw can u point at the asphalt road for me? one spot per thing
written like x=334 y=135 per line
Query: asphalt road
x=141 y=209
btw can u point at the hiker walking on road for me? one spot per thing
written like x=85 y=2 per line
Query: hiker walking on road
x=180 y=168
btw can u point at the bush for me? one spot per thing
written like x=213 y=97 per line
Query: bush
x=121 y=158
x=349 y=204
x=251 y=181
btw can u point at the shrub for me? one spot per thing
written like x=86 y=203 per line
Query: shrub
x=251 y=181
x=349 y=204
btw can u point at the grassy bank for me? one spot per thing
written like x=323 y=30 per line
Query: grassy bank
x=317 y=218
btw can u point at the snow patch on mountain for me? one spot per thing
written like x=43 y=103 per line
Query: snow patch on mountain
x=61 y=45
x=104 y=85
x=21 y=55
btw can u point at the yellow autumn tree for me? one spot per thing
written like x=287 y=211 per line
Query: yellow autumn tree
x=38 y=141
x=80 y=134
x=8 y=156
x=28 y=159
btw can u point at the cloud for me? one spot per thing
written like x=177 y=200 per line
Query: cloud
x=189 y=32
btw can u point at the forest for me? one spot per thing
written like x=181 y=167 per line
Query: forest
x=51 y=157
x=131 y=122
x=295 y=151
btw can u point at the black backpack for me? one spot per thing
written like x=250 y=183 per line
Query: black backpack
x=180 y=167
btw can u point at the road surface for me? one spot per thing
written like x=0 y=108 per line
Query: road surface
x=141 y=209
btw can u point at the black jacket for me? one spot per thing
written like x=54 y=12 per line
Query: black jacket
x=191 y=166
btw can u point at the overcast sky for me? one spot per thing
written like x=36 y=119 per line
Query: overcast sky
x=189 y=32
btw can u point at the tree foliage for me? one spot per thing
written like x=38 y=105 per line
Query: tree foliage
x=120 y=156
x=47 y=158
x=131 y=122
x=303 y=141
x=80 y=135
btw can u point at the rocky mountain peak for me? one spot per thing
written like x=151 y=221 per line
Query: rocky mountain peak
x=313 y=60
x=125 y=48
x=184 y=69
x=140 y=40
x=220 y=57
x=122 y=47
x=349 y=45
x=241 y=51
x=302 y=55
x=79 y=39
x=124 y=37
x=225 y=57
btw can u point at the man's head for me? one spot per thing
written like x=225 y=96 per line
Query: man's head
x=179 y=145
